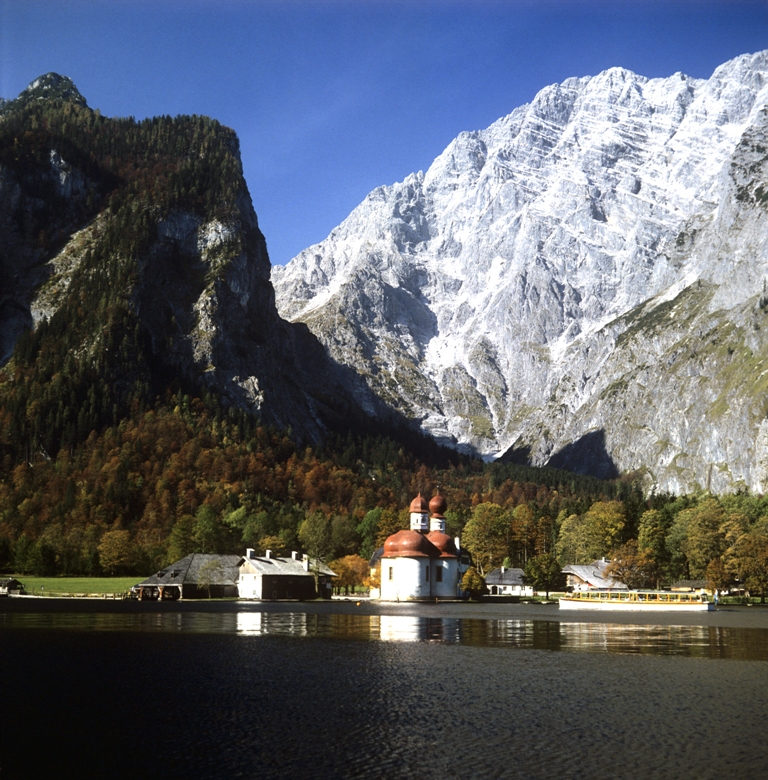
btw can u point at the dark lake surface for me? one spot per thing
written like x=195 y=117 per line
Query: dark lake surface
x=340 y=690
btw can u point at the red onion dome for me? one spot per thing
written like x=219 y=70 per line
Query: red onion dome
x=438 y=505
x=409 y=544
x=419 y=505
x=444 y=544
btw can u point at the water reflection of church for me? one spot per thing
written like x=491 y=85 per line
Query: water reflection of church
x=421 y=563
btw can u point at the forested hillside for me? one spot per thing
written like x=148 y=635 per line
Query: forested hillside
x=186 y=476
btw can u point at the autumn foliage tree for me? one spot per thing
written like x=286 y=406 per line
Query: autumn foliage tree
x=717 y=575
x=631 y=566
x=352 y=571
x=605 y=524
x=487 y=536
x=695 y=538
x=473 y=583
x=747 y=560
x=544 y=572
x=115 y=551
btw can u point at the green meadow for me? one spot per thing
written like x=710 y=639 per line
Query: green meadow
x=56 y=586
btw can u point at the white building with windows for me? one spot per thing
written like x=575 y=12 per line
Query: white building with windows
x=422 y=563
x=268 y=576
x=506 y=581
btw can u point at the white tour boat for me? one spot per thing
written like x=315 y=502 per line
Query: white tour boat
x=637 y=600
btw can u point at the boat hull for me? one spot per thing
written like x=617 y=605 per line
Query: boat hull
x=634 y=602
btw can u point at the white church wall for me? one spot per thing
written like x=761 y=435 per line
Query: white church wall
x=403 y=579
x=448 y=588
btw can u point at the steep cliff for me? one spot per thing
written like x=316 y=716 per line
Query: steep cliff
x=132 y=266
x=581 y=284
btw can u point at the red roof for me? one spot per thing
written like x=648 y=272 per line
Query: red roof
x=438 y=505
x=419 y=505
x=444 y=543
x=409 y=544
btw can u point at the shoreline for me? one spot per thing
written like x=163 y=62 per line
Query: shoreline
x=721 y=617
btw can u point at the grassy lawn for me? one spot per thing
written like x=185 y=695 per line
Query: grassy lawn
x=42 y=586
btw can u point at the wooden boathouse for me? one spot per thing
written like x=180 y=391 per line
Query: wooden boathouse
x=196 y=576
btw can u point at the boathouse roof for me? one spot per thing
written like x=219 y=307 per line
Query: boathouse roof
x=593 y=574
x=223 y=570
x=293 y=565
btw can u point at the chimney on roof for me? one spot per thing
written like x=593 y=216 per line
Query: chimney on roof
x=268 y=554
x=250 y=553
x=502 y=570
x=294 y=555
x=305 y=561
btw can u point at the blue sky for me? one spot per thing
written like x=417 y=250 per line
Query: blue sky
x=332 y=98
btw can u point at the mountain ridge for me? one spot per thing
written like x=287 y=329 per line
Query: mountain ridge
x=469 y=297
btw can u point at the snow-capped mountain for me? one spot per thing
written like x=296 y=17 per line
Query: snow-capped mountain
x=583 y=283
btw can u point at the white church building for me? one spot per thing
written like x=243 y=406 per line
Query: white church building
x=422 y=563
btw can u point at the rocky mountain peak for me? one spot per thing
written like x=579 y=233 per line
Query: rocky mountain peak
x=52 y=86
x=496 y=299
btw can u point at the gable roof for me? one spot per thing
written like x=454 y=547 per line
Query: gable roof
x=689 y=584
x=283 y=566
x=592 y=574
x=505 y=576
x=187 y=571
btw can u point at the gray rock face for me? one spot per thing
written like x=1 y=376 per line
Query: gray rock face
x=583 y=283
x=203 y=296
x=22 y=248
x=220 y=322
x=39 y=206
x=201 y=292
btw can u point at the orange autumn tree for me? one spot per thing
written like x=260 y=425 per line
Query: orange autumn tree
x=352 y=571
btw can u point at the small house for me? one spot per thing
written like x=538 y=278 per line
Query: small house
x=506 y=581
x=690 y=586
x=272 y=577
x=9 y=586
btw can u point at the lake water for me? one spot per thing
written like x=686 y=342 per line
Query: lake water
x=234 y=690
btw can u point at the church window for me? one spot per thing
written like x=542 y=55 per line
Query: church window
x=439 y=574
x=391 y=572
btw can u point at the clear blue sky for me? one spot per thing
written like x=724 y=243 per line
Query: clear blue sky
x=331 y=98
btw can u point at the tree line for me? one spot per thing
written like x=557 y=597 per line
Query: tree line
x=188 y=476
x=650 y=542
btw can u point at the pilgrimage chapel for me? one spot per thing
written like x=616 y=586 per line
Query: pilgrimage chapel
x=423 y=563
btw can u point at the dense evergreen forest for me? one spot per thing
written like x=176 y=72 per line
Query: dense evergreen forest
x=112 y=464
